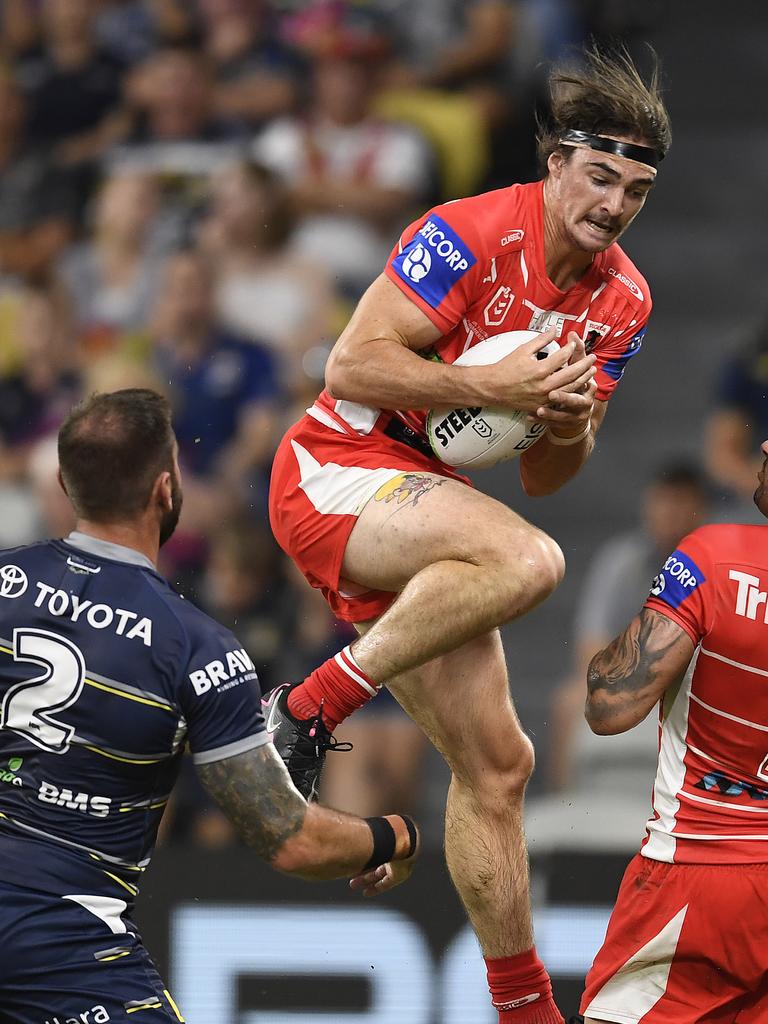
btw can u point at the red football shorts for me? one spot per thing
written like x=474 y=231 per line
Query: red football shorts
x=321 y=481
x=686 y=944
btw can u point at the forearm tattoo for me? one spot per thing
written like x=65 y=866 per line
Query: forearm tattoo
x=633 y=664
x=407 y=489
x=254 y=792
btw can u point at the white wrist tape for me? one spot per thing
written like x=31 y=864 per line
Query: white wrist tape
x=554 y=438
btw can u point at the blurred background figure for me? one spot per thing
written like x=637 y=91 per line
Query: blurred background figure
x=738 y=423
x=255 y=74
x=173 y=129
x=113 y=274
x=353 y=178
x=36 y=393
x=263 y=289
x=599 y=784
x=224 y=392
x=39 y=202
x=73 y=88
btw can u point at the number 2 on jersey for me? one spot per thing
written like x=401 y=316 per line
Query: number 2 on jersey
x=27 y=706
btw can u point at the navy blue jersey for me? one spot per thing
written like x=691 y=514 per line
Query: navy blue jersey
x=106 y=673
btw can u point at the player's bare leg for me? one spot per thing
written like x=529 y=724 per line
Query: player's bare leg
x=463 y=564
x=461 y=700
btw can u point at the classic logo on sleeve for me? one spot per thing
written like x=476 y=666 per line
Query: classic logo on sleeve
x=434 y=260
x=678 y=579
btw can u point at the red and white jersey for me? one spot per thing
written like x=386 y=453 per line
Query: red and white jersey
x=476 y=267
x=710 y=797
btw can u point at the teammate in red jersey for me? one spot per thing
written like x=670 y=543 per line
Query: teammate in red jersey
x=687 y=939
x=426 y=566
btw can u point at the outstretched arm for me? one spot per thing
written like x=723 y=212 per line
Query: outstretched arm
x=629 y=677
x=271 y=817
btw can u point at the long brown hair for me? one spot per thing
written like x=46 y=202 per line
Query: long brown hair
x=605 y=95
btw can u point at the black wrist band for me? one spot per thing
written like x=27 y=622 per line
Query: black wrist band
x=383 y=842
x=413 y=835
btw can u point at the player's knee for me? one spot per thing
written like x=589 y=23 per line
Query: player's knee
x=501 y=773
x=549 y=564
x=530 y=578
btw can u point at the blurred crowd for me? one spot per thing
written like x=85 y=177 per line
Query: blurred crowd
x=193 y=195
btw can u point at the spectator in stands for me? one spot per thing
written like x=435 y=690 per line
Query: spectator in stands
x=739 y=420
x=175 y=131
x=35 y=396
x=256 y=74
x=589 y=773
x=132 y=29
x=263 y=290
x=245 y=585
x=223 y=391
x=352 y=177
x=73 y=87
x=38 y=203
x=112 y=276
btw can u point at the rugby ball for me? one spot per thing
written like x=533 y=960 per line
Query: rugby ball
x=477 y=438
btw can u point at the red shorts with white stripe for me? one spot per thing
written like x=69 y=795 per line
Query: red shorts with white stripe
x=686 y=944
x=321 y=480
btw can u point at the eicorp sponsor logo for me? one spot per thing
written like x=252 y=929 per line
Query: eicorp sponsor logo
x=417 y=263
x=679 y=577
x=434 y=260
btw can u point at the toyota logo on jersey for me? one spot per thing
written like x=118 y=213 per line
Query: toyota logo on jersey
x=13 y=581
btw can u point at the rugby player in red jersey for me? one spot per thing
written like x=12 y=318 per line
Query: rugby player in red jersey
x=425 y=565
x=687 y=939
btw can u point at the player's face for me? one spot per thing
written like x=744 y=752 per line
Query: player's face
x=761 y=494
x=596 y=196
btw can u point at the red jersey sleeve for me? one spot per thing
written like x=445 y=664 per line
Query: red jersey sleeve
x=438 y=262
x=627 y=303
x=684 y=588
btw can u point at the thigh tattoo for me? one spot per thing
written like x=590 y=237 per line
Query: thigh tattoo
x=406 y=489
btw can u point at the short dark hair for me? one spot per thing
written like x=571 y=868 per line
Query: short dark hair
x=112 y=447
x=605 y=96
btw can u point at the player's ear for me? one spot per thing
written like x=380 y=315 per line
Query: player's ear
x=555 y=163
x=62 y=485
x=163 y=490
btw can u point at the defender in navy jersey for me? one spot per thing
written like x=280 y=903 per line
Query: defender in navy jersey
x=106 y=674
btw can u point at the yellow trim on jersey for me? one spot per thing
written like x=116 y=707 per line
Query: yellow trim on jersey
x=174 y=1007
x=125 y=760
x=144 y=807
x=110 y=689
x=128 y=696
x=155 y=1004
x=131 y=888
x=106 y=959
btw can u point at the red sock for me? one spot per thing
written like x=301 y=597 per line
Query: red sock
x=521 y=990
x=340 y=685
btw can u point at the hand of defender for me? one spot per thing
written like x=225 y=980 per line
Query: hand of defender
x=569 y=409
x=386 y=876
x=522 y=381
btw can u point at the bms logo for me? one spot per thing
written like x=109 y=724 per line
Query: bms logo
x=418 y=263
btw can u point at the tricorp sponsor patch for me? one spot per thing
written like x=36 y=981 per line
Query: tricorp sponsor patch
x=678 y=579
x=434 y=260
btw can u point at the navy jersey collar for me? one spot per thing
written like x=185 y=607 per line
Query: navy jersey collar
x=106 y=549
